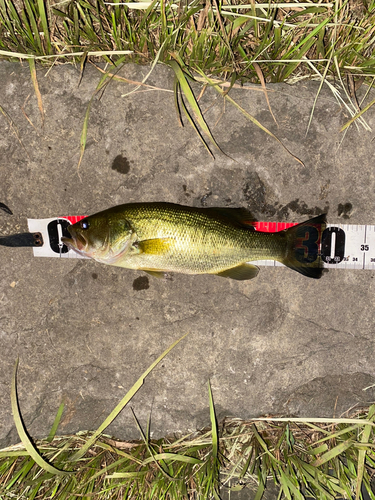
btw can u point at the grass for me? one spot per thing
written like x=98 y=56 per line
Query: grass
x=222 y=44
x=220 y=38
x=301 y=458
x=315 y=458
x=209 y=42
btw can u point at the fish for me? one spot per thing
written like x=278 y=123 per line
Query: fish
x=160 y=238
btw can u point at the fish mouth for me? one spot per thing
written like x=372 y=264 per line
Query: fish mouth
x=77 y=242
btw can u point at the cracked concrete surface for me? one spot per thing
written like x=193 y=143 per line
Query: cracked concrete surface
x=84 y=332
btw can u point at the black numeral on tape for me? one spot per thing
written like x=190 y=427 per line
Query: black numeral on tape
x=333 y=236
x=53 y=235
x=307 y=249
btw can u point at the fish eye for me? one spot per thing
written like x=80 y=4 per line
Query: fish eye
x=84 y=224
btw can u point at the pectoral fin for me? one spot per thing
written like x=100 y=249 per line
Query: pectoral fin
x=241 y=272
x=156 y=246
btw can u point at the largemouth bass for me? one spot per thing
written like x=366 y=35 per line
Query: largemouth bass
x=163 y=237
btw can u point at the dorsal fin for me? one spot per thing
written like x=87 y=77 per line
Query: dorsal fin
x=240 y=216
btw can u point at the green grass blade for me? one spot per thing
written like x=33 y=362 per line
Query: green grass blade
x=362 y=457
x=260 y=491
x=123 y=402
x=114 y=465
x=127 y=475
x=336 y=434
x=146 y=438
x=215 y=445
x=172 y=456
x=215 y=434
x=34 y=454
x=56 y=422
x=192 y=122
x=34 y=33
x=5 y=454
x=43 y=18
x=176 y=89
x=263 y=444
x=285 y=486
x=83 y=138
x=306 y=39
x=333 y=452
x=188 y=93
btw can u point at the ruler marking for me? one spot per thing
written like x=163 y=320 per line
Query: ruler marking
x=333 y=245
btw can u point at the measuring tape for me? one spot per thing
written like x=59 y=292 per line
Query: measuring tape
x=343 y=246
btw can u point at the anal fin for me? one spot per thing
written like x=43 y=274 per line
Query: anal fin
x=241 y=272
x=155 y=274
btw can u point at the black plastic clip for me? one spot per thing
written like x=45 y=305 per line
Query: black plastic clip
x=22 y=240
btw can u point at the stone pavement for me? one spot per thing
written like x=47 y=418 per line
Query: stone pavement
x=84 y=332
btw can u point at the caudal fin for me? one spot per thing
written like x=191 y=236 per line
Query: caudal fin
x=303 y=245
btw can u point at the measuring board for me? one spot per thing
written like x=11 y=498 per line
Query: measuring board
x=342 y=246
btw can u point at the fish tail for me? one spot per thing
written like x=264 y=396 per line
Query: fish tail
x=303 y=247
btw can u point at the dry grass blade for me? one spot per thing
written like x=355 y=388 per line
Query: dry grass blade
x=161 y=466
x=251 y=118
x=149 y=73
x=47 y=58
x=316 y=420
x=358 y=115
x=83 y=139
x=36 y=88
x=263 y=83
x=14 y=129
x=131 y=82
x=323 y=79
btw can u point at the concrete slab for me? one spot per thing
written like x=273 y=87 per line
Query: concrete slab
x=84 y=332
